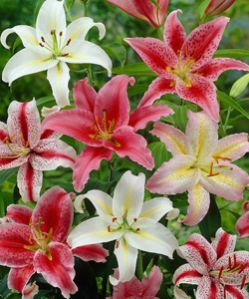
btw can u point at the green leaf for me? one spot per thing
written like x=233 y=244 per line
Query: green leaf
x=232 y=53
x=159 y=153
x=116 y=50
x=232 y=103
x=212 y=221
x=134 y=69
x=5 y=174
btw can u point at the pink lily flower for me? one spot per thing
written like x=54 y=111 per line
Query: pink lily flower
x=184 y=64
x=102 y=121
x=201 y=164
x=134 y=288
x=242 y=225
x=216 y=7
x=152 y=12
x=35 y=241
x=24 y=144
x=218 y=271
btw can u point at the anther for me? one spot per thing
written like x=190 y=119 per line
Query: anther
x=135 y=219
x=43 y=39
x=65 y=55
x=114 y=219
x=52 y=32
x=109 y=228
x=40 y=44
x=116 y=244
x=68 y=42
x=138 y=229
x=229 y=262
x=60 y=33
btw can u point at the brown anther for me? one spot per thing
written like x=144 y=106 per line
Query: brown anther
x=135 y=219
x=116 y=244
x=114 y=219
x=52 y=32
x=138 y=229
x=61 y=33
x=211 y=173
x=109 y=228
x=65 y=55
x=40 y=44
x=68 y=42
x=43 y=39
x=243 y=282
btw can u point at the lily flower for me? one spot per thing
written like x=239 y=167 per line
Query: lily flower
x=126 y=219
x=218 y=271
x=51 y=45
x=242 y=225
x=152 y=12
x=102 y=121
x=134 y=288
x=34 y=241
x=184 y=64
x=200 y=165
x=216 y=7
x=24 y=144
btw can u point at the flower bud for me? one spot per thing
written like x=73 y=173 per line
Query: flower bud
x=239 y=86
x=216 y=7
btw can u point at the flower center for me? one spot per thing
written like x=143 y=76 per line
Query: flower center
x=182 y=71
x=16 y=150
x=122 y=224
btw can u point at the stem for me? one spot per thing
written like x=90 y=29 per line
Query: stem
x=85 y=8
x=224 y=127
x=140 y=272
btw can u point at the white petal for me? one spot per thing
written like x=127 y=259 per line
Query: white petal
x=46 y=111
x=79 y=28
x=128 y=196
x=26 y=62
x=127 y=260
x=156 y=208
x=92 y=231
x=86 y=52
x=155 y=238
x=58 y=78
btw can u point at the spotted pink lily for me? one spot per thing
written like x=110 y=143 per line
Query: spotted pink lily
x=218 y=271
x=242 y=225
x=216 y=7
x=152 y=12
x=201 y=164
x=184 y=64
x=103 y=122
x=24 y=144
x=35 y=241
x=134 y=288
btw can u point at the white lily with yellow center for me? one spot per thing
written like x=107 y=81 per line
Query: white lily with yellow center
x=126 y=219
x=201 y=164
x=51 y=45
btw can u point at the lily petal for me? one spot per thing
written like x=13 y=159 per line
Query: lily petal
x=92 y=231
x=84 y=95
x=209 y=289
x=58 y=77
x=19 y=214
x=54 y=213
x=3 y=133
x=129 y=196
x=7 y=157
x=242 y=224
x=232 y=147
x=154 y=53
x=223 y=243
x=143 y=115
x=235 y=292
x=29 y=182
x=174 y=176
x=26 y=62
x=199 y=201
x=152 y=283
x=174 y=32
x=186 y=274
x=95 y=252
x=174 y=140
x=59 y=270
x=89 y=160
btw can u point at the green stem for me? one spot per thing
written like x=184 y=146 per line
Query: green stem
x=140 y=272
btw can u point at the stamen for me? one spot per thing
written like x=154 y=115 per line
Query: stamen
x=40 y=44
x=61 y=33
x=116 y=244
x=68 y=42
x=65 y=55
x=220 y=273
x=235 y=260
x=138 y=229
x=229 y=262
x=109 y=228
x=43 y=39
x=211 y=173
x=243 y=282
x=52 y=32
x=114 y=219
x=135 y=219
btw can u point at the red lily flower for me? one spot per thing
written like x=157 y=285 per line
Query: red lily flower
x=242 y=225
x=216 y=7
x=184 y=64
x=102 y=121
x=152 y=12
x=24 y=143
x=218 y=271
x=35 y=241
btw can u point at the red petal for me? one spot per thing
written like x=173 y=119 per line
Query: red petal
x=59 y=269
x=89 y=160
x=235 y=293
x=8 y=158
x=95 y=253
x=84 y=95
x=3 y=132
x=209 y=289
x=18 y=277
x=153 y=282
x=187 y=275
x=242 y=225
x=19 y=214
x=223 y=243
x=54 y=211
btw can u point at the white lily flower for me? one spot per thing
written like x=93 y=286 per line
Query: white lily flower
x=51 y=45
x=126 y=219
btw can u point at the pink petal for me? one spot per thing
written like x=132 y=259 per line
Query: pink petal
x=174 y=32
x=143 y=115
x=174 y=176
x=209 y=289
x=199 y=201
x=187 y=275
x=84 y=95
x=30 y=291
x=232 y=147
x=128 y=289
x=202 y=92
x=54 y=212
x=8 y=158
x=242 y=224
x=13 y=239
x=199 y=253
x=24 y=125
x=223 y=243
x=236 y=292
x=174 y=140
x=95 y=253
x=51 y=153
x=19 y=277
x=59 y=270
x=128 y=143
x=213 y=69
x=154 y=53
x=152 y=283
x=157 y=88
x=89 y=160
x=202 y=43
x=19 y=214
x=3 y=132
x=29 y=182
